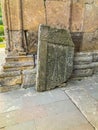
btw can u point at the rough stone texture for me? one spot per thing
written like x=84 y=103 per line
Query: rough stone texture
x=13 y=76
x=16 y=42
x=11 y=17
x=32 y=41
x=10 y=81
x=18 y=16
x=4 y=89
x=85 y=64
x=10 y=74
x=80 y=17
x=77 y=38
x=19 y=63
x=82 y=73
x=16 y=59
x=91 y=16
x=29 y=78
x=55 y=57
x=77 y=16
x=2 y=58
x=33 y=14
x=58 y=13
x=90 y=41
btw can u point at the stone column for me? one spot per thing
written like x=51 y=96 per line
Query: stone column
x=13 y=21
x=21 y=20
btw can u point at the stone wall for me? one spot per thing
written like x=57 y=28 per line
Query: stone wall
x=22 y=19
x=85 y=64
x=78 y=16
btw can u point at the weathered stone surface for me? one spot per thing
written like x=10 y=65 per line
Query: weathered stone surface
x=91 y=16
x=18 y=65
x=95 y=56
x=11 y=14
x=9 y=88
x=90 y=41
x=77 y=16
x=55 y=57
x=10 y=81
x=10 y=74
x=16 y=42
x=83 y=58
x=27 y=58
x=33 y=14
x=58 y=13
x=85 y=64
x=32 y=41
x=29 y=78
x=77 y=38
x=18 y=16
x=82 y=73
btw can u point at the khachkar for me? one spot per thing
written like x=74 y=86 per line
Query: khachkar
x=55 y=57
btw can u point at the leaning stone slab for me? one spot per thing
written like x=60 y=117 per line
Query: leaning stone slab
x=55 y=57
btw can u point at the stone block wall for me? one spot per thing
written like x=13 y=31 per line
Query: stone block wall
x=85 y=64
x=23 y=17
x=78 y=16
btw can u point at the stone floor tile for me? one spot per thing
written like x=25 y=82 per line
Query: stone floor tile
x=86 y=102
x=23 y=126
x=62 y=122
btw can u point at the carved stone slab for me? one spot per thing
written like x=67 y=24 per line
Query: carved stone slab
x=55 y=57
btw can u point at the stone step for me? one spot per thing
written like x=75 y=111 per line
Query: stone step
x=82 y=73
x=10 y=74
x=18 y=68
x=83 y=54
x=18 y=65
x=9 y=88
x=92 y=65
x=78 y=60
x=11 y=81
x=28 y=58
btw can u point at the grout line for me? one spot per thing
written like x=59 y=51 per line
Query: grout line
x=81 y=111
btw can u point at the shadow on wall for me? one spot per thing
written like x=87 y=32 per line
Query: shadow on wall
x=77 y=38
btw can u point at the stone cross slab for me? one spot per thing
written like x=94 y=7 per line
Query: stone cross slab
x=55 y=57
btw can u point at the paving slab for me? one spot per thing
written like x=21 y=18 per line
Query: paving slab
x=85 y=97
x=52 y=110
x=24 y=126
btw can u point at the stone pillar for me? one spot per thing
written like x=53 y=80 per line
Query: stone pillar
x=12 y=14
x=20 y=18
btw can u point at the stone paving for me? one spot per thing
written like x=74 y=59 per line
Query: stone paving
x=84 y=94
x=69 y=108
